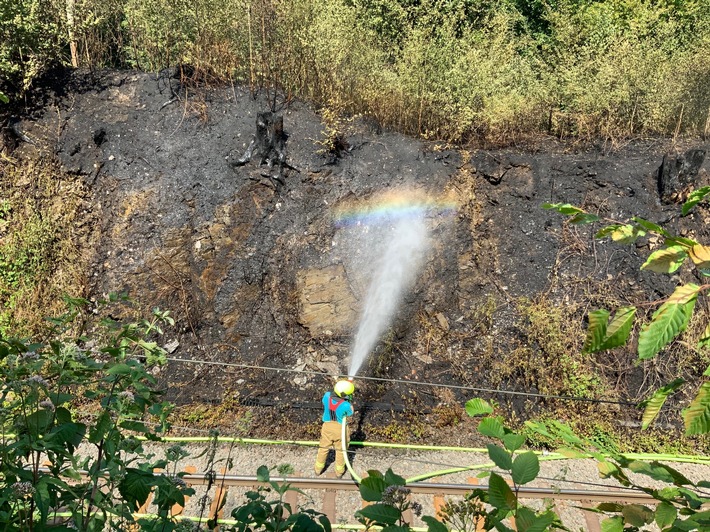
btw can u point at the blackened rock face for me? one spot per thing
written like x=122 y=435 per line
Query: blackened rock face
x=256 y=274
x=678 y=172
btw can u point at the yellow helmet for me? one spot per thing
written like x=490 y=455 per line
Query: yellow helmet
x=344 y=388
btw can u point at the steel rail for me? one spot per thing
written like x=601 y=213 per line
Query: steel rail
x=432 y=488
x=629 y=495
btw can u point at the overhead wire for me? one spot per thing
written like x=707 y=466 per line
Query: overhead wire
x=407 y=382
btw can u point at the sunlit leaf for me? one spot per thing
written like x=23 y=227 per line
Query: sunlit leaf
x=607 y=230
x=700 y=255
x=526 y=467
x=478 y=407
x=666 y=260
x=619 y=329
x=697 y=415
x=491 y=427
x=684 y=294
x=513 y=442
x=650 y=226
x=694 y=198
x=679 y=241
x=656 y=402
x=659 y=471
x=563 y=208
x=596 y=331
x=668 y=321
x=528 y=521
x=613 y=524
x=610 y=470
x=627 y=234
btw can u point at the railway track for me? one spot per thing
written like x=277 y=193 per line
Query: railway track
x=340 y=498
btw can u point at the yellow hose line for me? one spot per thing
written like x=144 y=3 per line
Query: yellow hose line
x=343 y=441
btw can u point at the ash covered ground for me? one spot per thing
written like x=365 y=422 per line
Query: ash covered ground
x=257 y=273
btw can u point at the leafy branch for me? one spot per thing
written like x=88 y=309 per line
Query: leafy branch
x=669 y=320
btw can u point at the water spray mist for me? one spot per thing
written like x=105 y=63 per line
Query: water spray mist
x=395 y=271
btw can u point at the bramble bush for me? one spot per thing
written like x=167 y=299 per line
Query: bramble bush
x=104 y=365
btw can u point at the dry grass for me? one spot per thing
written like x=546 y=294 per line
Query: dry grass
x=45 y=242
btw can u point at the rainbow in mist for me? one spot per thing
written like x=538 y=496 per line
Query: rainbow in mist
x=393 y=205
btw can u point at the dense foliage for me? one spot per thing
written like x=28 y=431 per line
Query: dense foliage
x=674 y=313
x=464 y=70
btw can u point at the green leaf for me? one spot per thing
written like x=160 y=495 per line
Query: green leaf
x=619 y=329
x=666 y=260
x=596 y=331
x=656 y=402
x=119 y=369
x=396 y=528
x=608 y=469
x=627 y=234
x=499 y=493
x=305 y=523
x=650 y=226
x=527 y=521
x=492 y=427
x=611 y=507
x=659 y=471
x=434 y=525
x=513 y=442
x=665 y=514
x=135 y=426
x=135 y=487
x=637 y=514
x=563 y=208
x=613 y=524
x=380 y=514
x=4 y=98
x=262 y=474
x=606 y=231
x=69 y=435
x=38 y=422
x=694 y=198
x=500 y=456
x=392 y=479
x=584 y=218
x=679 y=241
x=526 y=467
x=697 y=415
x=102 y=426
x=668 y=321
x=478 y=407
x=371 y=488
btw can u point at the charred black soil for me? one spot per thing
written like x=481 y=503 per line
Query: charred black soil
x=245 y=257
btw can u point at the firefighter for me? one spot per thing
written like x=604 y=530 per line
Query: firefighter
x=336 y=407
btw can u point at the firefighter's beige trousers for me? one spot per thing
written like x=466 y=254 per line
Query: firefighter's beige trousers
x=330 y=436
